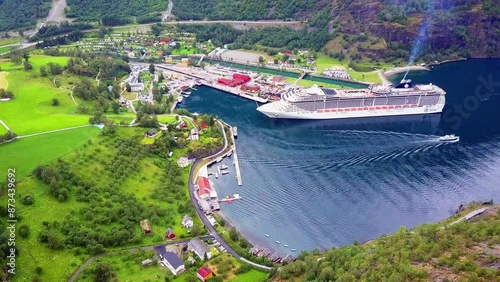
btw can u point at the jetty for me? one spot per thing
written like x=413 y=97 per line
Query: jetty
x=236 y=163
x=405 y=69
x=229 y=199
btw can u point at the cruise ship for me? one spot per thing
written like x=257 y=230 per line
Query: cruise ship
x=404 y=98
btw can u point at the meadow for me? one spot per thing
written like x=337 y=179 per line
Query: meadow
x=323 y=62
x=31 y=110
x=26 y=153
x=104 y=163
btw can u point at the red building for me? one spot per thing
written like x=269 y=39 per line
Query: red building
x=204 y=273
x=250 y=87
x=244 y=78
x=238 y=79
x=203 y=188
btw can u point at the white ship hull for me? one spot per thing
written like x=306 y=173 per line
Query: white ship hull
x=272 y=111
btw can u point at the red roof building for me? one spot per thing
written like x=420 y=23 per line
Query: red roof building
x=244 y=78
x=203 y=188
x=250 y=87
x=203 y=125
x=204 y=273
x=287 y=52
x=169 y=234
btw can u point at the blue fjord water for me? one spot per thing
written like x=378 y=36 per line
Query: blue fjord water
x=319 y=184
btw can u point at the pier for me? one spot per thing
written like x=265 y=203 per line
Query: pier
x=235 y=92
x=236 y=163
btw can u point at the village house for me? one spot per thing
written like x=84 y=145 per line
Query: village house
x=170 y=260
x=200 y=248
x=145 y=226
x=169 y=234
x=151 y=133
x=187 y=221
x=204 y=273
x=169 y=60
x=194 y=134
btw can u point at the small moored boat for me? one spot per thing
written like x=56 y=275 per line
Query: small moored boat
x=286 y=246
x=293 y=250
x=267 y=235
x=278 y=242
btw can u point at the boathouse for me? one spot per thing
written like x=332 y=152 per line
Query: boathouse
x=203 y=188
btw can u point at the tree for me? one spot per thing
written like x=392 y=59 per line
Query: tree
x=24 y=231
x=156 y=29
x=233 y=234
x=152 y=68
x=195 y=230
x=43 y=71
x=27 y=200
x=116 y=107
x=261 y=59
x=55 y=102
x=102 y=272
x=27 y=66
x=16 y=59
x=26 y=56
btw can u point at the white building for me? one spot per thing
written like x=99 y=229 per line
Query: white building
x=187 y=222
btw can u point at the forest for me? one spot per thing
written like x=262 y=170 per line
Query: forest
x=279 y=38
x=22 y=14
x=96 y=10
x=246 y=9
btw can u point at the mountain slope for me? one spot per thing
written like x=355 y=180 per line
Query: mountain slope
x=465 y=251
x=23 y=14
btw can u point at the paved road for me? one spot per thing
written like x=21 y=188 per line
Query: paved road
x=4 y=125
x=52 y=131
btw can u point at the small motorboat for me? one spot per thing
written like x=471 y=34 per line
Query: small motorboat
x=179 y=99
x=267 y=235
x=278 y=242
x=286 y=246
x=230 y=153
x=224 y=172
x=293 y=250
x=223 y=166
x=449 y=138
x=216 y=175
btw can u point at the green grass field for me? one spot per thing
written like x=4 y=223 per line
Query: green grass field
x=2 y=130
x=251 y=276
x=25 y=154
x=8 y=41
x=127 y=267
x=183 y=51
x=323 y=62
x=6 y=49
x=31 y=111
x=168 y=119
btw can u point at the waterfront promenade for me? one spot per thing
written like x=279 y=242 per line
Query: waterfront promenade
x=201 y=215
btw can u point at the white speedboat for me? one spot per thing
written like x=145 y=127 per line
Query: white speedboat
x=293 y=250
x=179 y=99
x=278 y=242
x=267 y=235
x=286 y=246
x=449 y=138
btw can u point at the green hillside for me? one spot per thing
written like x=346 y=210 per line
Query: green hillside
x=22 y=14
x=465 y=251
x=94 y=10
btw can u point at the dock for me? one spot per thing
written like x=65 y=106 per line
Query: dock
x=235 y=197
x=235 y=92
x=236 y=163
